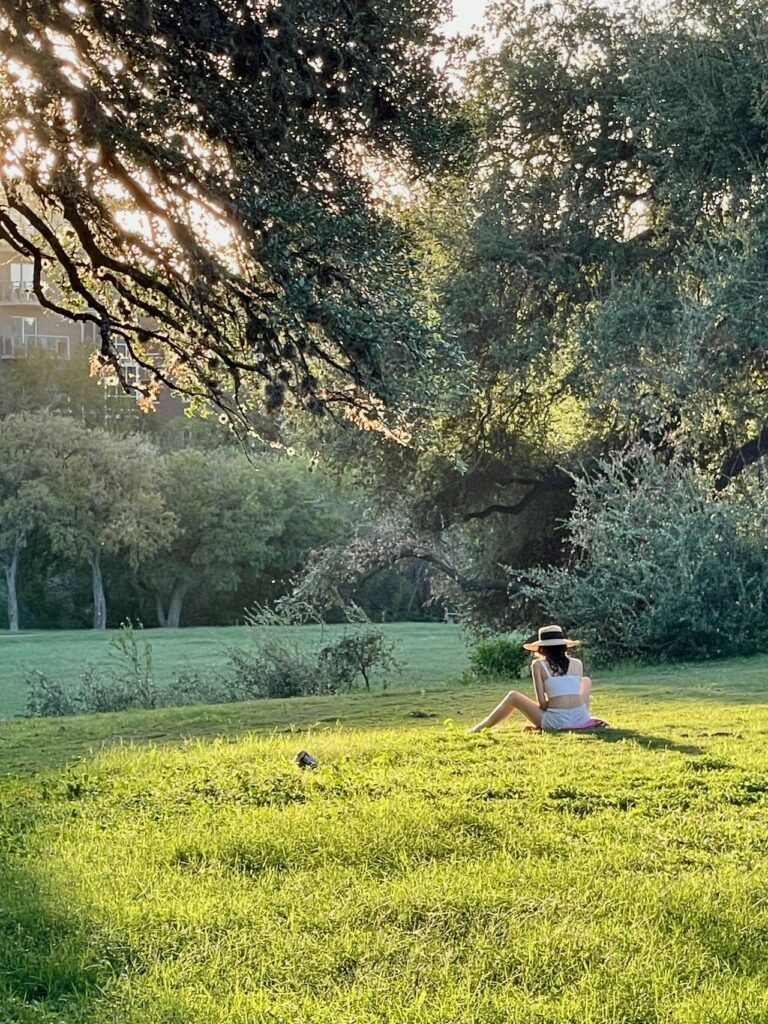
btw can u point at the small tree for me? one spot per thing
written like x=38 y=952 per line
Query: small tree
x=108 y=501
x=234 y=518
x=32 y=446
x=357 y=654
x=362 y=648
x=661 y=566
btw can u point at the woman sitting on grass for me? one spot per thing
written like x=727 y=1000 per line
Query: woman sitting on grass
x=562 y=689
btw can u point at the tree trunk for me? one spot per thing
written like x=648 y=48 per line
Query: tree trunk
x=179 y=592
x=162 y=618
x=11 y=569
x=99 y=600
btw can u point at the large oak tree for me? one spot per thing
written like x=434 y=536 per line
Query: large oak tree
x=199 y=175
x=601 y=276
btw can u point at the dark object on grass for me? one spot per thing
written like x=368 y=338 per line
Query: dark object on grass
x=421 y=714
x=305 y=760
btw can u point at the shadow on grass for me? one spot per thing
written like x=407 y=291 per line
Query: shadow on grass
x=640 y=738
x=52 y=958
x=644 y=740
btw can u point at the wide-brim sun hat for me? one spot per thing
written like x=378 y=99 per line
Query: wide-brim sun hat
x=549 y=636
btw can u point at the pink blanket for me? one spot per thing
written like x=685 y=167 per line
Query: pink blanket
x=593 y=723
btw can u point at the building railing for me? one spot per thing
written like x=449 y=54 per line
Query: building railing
x=15 y=348
x=18 y=293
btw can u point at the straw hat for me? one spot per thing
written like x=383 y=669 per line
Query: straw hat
x=549 y=636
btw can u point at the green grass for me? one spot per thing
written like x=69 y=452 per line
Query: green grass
x=419 y=876
x=429 y=653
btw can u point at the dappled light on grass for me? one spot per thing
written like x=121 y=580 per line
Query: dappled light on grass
x=417 y=875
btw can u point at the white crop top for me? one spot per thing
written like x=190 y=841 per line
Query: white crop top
x=560 y=686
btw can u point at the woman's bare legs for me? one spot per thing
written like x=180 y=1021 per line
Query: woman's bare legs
x=585 y=690
x=514 y=701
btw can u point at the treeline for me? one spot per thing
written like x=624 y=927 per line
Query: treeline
x=97 y=527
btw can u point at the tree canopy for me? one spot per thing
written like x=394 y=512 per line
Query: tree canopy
x=199 y=176
x=620 y=241
x=234 y=518
x=592 y=276
x=598 y=277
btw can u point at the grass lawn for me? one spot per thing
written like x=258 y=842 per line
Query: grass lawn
x=195 y=875
x=428 y=652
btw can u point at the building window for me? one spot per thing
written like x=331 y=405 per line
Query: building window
x=24 y=327
x=22 y=276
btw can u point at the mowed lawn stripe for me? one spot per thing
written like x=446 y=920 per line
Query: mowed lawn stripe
x=428 y=652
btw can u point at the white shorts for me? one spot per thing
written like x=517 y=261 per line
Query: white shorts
x=555 y=719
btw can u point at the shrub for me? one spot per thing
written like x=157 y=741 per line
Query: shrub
x=498 y=656
x=93 y=692
x=356 y=654
x=132 y=653
x=661 y=566
x=47 y=697
x=191 y=686
x=275 y=667
x=96 y=691
x=131 y=685
x=272 y=666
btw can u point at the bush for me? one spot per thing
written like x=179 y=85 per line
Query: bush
x=276 y=667
x=662 y=567
x=192 y=687
x=131 y=685
x=132 y=653
x=356 y=654
x=498 y=656
x=273 y=666
x=93 y=692
x=47 y=697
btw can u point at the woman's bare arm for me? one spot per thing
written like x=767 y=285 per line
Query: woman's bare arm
x=539 y=684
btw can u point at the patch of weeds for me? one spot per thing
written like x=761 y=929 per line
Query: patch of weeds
x=503 y=793
x=750 y=789
x=709 y=764
x=271 y=791
x=130 y=683
x=574 y=801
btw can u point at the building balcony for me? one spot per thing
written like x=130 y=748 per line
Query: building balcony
x=16 y=348
x=17 y=295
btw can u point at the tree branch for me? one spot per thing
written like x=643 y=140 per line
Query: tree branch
x=744 y=456
x=466 y=583
x=558 y=483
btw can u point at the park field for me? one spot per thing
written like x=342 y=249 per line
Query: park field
x=176 y=866
x=428 y=653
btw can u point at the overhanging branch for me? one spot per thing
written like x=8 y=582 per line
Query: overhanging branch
x=743 y=457
x=558 y=483
x=466 y=583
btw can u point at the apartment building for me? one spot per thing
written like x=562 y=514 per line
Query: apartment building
x=27 y=326
x=24 y=324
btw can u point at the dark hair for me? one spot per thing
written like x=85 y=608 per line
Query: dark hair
x=557 y=656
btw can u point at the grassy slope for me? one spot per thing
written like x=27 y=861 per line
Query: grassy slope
x=35 y=744
x=429 y=652
x=419 y=876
